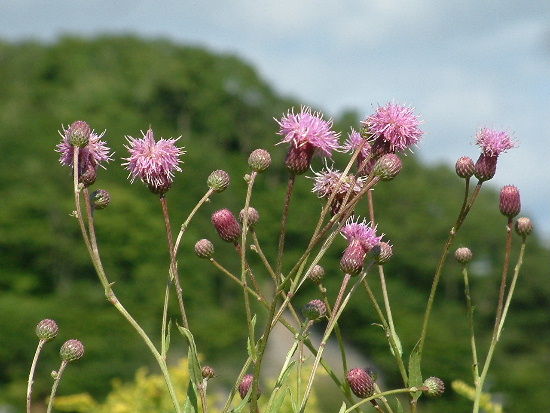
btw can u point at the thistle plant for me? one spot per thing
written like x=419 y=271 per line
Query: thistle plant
x=374 y=157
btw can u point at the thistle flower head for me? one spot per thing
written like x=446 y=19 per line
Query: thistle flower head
x=253 y=217
x=364 y=234
x=493 y=142
x=510 y=202
x=246 y=385
x=381 y=253
x=360 y=383
x=353 y=259
x=317 y=274
x=204 y=248
x=314 y=310
x=71 y=350
x=387 y=166
x=308 y=128
x=154 y=162
x=355 y=141
x=208 y=372
x=99 y=199
x=78 y=134
x=435 y=387
x=47 y=330
x=91 y=155
x=328 y=181
x=394 y=127
x=464 y=167
x=218 y=180
x=523 y=226
x=463 y=255
x=227 y=225
x=259 y=160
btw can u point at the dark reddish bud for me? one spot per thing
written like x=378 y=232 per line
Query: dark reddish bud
x=204 y=248
x=78 y=134
x=524 y=226
x=227 y=225
x=207 y=372
x=381 y=253
x=252 y=218
x=465 y=167
x=314 y=310
x=463 y=255
x=360 y=383
x=259 y=160
x=485 y=167
x=299 y=158
x=510 y=203
x=71 y=350
x=246 y=385
x=46 y=330
x=353 y=259
x=161 y=187
x=317 y=274
x=435 y=386
x=388 y=166
x=218 y=180
x=87 y=174
x=100 y=199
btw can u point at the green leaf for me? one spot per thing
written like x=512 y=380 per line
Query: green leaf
x=251 y=342
x=399 y=407
x=397 y=343
x=194 y=365
x=343 y=408
x=192 y=400
x=415 y=375
x=276 y=406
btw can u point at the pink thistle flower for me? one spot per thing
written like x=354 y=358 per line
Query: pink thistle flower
x=328 y=180
x=90 y=155
x=393 y=128
x=354 y=141
x=307 y=134
x=362 y=233
x=154 y=162
x=493 y=142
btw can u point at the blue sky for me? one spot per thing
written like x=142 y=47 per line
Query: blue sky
x=461 y=64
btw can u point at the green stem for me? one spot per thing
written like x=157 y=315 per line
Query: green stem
x=56 y=385
x=470 y=307
x=31 y=373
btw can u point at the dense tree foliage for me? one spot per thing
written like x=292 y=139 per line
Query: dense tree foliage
x=223 y=111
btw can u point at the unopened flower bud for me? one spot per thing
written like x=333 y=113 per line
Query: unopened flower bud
x=46 y=330
x=435 y=386
x=510 y=203
x=360 y=383
x=207 y=372
x=78 y=134
x=524 y=226
x=317 y=274
x=218 y=180
x=246 y=385
x=259 y=160
x=252 y=218
x=204 y=248
x=299 y=158
x=388 y=166
x=100 y=198
x=227 y=225
x=353 y=259
x=71 y=350
x=463 y=255
x=87 y=175
x=314 y=310
x=381 y=253
x=465 y=167
x=485 y=167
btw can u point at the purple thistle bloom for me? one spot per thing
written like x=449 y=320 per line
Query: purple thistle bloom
x=307 y=128
x=493 y=142
x=353 y=142
x=394 y=128
x=154 y=162
x=91 y=155
x=362 y=233
x=328 y=180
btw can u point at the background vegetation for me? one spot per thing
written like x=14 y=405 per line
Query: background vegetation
x=223 y=111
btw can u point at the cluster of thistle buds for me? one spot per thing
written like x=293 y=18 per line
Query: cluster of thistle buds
x=72 y=350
